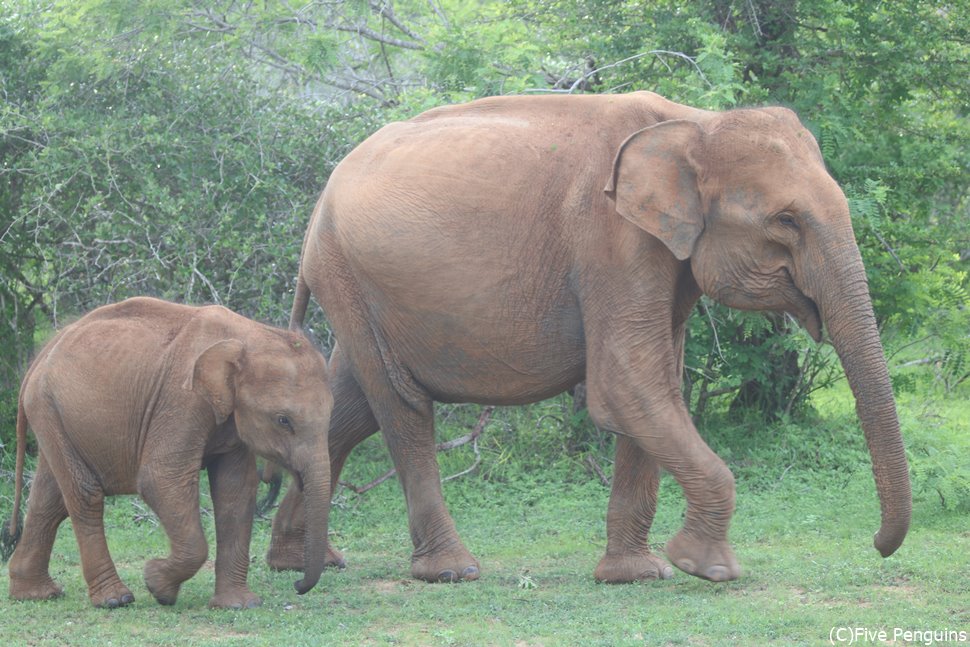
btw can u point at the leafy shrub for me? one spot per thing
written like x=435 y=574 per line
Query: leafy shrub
x=8 y=425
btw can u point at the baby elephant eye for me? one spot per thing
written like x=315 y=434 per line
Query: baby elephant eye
x=283 y=421
x=787 y=220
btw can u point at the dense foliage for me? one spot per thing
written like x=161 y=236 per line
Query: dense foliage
x=175 y=147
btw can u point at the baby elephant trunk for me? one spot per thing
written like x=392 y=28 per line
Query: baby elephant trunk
x=316 y=494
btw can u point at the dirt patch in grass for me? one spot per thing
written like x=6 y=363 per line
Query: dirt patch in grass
x=390 y=586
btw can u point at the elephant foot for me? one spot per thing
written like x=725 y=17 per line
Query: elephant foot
x=710 y=560
x=111 y=597
x=159 y=583
x=453 y=565
x=288 y=556
x=620 y=569
x=245 y=599
x=45 y=589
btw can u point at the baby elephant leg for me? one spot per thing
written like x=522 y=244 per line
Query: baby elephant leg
x=174 y=497
x=84 y=500
x=30 y=577
x=105 y=588
x=233 y=483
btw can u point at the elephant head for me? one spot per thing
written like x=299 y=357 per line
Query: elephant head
x=278 y=394
x=745 y=198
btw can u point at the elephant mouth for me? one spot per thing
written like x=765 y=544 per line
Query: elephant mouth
x=783 y=296
x=807 y=315
x=803 y=310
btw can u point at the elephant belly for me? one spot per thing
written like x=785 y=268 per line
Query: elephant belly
x=463 y=331
x=497 y=362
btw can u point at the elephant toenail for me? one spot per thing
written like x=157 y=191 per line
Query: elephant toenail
x=111 y=603
x=666 y=573
x=447 y=576
x=470 y=573
x=718 y=574
x=253 y=604
x=127 y=598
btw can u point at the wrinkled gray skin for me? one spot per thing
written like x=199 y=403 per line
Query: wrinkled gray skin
x=138 y=397
x=503 y=250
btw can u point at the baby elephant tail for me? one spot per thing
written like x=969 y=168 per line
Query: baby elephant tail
x=10 y=533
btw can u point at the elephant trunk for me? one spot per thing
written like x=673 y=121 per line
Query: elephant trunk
x=316 y=495
x=846 y=311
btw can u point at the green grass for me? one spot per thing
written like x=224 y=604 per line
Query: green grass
x=806 y=511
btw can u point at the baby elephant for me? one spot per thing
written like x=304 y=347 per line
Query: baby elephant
x=138 y=397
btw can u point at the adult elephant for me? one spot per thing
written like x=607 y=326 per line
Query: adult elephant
x=503 y=250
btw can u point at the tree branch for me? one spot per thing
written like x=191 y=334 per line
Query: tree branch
x=386 y=11
x=588 y=74
x=471 y=437
x=892 y=252
x=370 y=34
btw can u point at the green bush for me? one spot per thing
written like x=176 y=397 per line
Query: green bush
x=8 y=427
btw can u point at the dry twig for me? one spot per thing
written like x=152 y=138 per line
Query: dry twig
x=471 y=437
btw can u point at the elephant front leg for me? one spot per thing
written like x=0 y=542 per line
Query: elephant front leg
x=29 y=566
x=633 y=503
x=173 y=495
x=233 y=483
x=633 y=396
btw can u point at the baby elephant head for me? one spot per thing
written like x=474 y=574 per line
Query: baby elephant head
x=275 y=388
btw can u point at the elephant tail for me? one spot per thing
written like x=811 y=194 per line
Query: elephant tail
x=301 y=299
x=10 y=534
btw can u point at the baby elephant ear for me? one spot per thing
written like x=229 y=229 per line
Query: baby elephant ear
x=654 y=184
x=214 y=376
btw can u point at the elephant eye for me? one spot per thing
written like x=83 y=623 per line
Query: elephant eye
x=283 y=420
x=787 y=220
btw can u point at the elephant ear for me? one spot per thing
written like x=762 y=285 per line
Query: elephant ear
x=655 y=186
x=214 y=376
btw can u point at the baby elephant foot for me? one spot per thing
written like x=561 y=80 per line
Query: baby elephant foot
x=446 y=566
x=711 y=560
x=618 y=569
x=159 y=583
x=334 y=559
x=111 y=597
x=44 y=589
x=245 y=599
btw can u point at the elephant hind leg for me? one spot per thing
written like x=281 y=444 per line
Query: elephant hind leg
x=29 y=567
x=406 y=417
x=81 y=495
x=350 y=423
x=174 y=498
x=439 y=554
x=86 y=507
x=633 y=503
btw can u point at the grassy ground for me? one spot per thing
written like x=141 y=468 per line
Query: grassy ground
x=803 y=533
